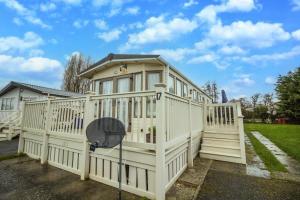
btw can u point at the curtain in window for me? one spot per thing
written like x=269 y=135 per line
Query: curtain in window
x=153 y=78
x=178 y=87
x=185 y=90
x=97 y=88
x=171 y=84
x=138 y=82
x=123 y=85
x=107 y=87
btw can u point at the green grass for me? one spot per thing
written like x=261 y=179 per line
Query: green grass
x=286 y=137
x=11 y=156
x=267 y=157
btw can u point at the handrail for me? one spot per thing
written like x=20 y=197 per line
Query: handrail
x=123 y=95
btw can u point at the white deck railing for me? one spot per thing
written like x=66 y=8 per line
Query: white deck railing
x=162 y=138
x=221 y=116
x=5 y=115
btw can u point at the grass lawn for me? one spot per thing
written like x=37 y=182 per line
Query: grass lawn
x=286 y=137
x=267 y=157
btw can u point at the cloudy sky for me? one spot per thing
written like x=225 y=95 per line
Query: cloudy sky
x=241 y=44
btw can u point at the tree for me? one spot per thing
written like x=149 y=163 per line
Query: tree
x=72 y=82
x=211 y=89
x=254 y=100
x=288 y=93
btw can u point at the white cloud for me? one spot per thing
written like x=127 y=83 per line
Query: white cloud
x=209 y=13
x=12 y=43
x=231 y=50
x=243 y=80
x=133 y=10
x=190 y=3
x=80 y=23
x=45 y=7
x=174 y=54
x=17 y=21
x=203 y=59
x=27 y=14
x=72 y=2
x=115 y=5
x=258 y=58
x=110 y=35
x=100 y=24
x=296 y=5
x=210 y=57
x=246 y=33
x=296 y=34
x=270 y=80
x=33 y=64
x=158 y=29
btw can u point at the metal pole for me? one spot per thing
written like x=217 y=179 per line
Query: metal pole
x=120 y=171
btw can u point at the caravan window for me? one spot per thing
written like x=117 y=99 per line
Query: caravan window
x=107 y=87
x=185 y=90
x=152 y=79
x=178 y=87
x=138 y=82
x=7 y=104
x=171 y=84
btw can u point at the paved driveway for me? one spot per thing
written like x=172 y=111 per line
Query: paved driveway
x=9 y=147
x=226 y=181
x=24 y=178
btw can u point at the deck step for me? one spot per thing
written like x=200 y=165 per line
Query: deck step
x=220 y=156
x=234 y=150
x=232 y=136
x=221 y=142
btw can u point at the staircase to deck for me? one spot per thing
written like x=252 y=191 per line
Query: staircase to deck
x=10 y=127
x=223 y=135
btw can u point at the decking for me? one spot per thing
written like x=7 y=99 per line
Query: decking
x=163 y=137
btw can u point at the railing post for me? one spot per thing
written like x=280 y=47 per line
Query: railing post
x=190 y=148
x=21 y=137
x=240 y=123
x=10 y=131
x=160 y=165
x=44 y=153
x=88 y=117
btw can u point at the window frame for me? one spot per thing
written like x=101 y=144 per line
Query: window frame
x=181 y=87
x=153 y=72
x=174 y=83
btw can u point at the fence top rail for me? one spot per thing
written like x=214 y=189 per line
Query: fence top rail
x=197 y=103
x=7 y=111
x=221 y=104
x=175 y=97
x=67 y=100
x=123 y=95
x=35 y=102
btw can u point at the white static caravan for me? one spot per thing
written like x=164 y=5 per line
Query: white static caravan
x=165 y=114
x=11 y=97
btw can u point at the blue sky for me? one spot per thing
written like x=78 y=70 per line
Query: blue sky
x=241 y=44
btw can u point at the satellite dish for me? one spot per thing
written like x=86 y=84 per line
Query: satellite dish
x=107 y=132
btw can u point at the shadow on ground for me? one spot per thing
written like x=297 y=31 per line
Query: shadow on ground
x=9 y=147
x=24 y=178
x=229 y=181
